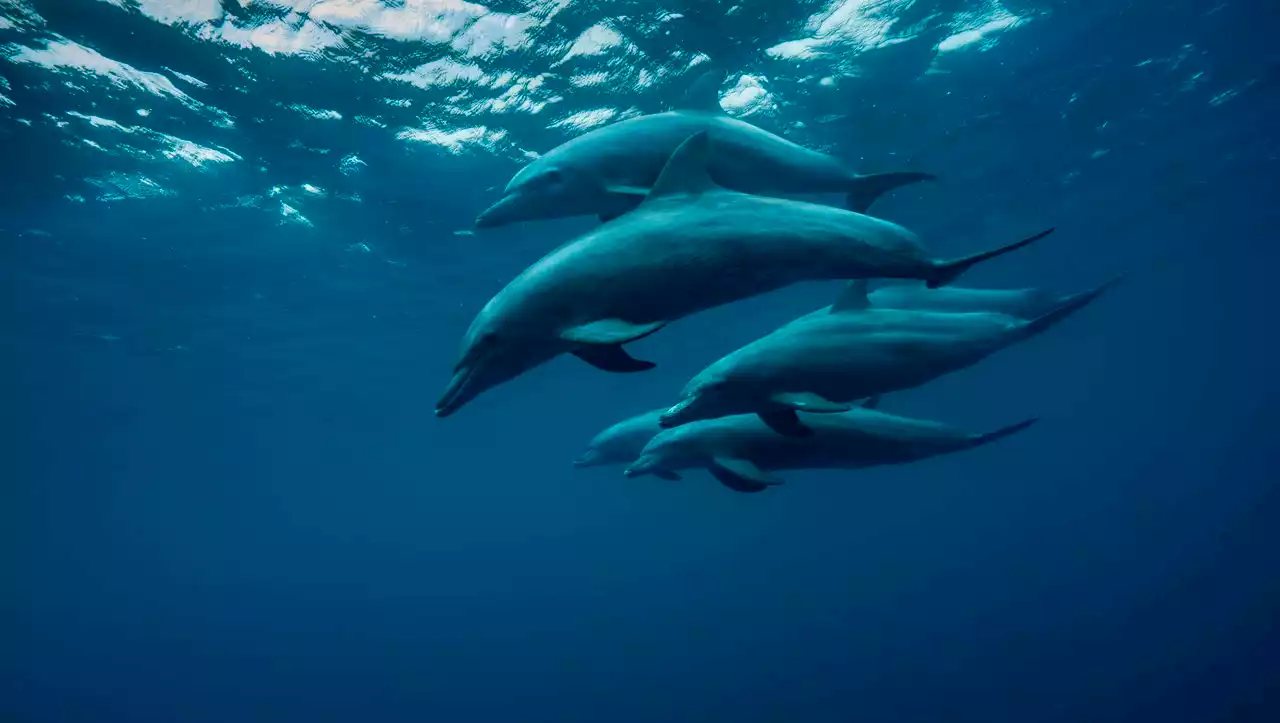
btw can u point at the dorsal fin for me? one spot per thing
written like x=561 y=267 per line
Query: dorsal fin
x=704 y=94
x=686 y=170
x=852 y=298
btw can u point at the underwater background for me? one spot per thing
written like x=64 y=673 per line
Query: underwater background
x=236 y=261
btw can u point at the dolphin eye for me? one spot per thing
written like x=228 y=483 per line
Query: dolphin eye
x=554 y=177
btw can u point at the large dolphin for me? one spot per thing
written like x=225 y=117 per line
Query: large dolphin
x=823 y=360
x=1021 y=303
x=621 y=443
x=742 y=452
x=689 y=247
x=608 y=171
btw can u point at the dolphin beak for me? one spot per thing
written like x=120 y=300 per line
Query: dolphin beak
x=641 y=467
x=453 y=399
x=503 y=212
x=588 y=459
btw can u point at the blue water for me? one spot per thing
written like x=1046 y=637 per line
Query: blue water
x=235 y=267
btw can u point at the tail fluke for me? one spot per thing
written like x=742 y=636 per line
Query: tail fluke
x=866 y=189
x=1066 y=307
x=1003 y=432
x=945 y=272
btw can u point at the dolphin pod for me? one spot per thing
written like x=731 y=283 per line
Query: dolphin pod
x=609 y=171
x=849 y=350
x=621 y=443
x=690 y=246
x=695 y=216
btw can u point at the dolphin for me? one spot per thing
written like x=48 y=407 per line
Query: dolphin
x=621 y=443
x=742 y=452
x=608 y=171
x=821 y=361
x=689 y=247
x=1021 y=303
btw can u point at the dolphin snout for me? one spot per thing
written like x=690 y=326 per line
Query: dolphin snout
x=453 y=397
x=500 y=213
x=589 y=458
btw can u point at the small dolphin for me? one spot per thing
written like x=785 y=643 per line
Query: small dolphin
x=741 y=451
x=689 y=247
x=1020 y=303
x=848 y=350
x=608 y=171
x=622 y=442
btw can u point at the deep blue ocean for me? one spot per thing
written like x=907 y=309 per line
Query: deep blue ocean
x=237 y=258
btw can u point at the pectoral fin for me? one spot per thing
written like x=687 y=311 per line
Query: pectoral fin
x=612 y=358
x=786 y=422
x=870 y=402
x=609 y=332
x=809 y=402
x=741 y=475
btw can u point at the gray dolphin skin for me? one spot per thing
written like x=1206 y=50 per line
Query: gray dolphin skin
x=689 y=247
x=1021 y=303
x=742 y=452
x=608 y=171
x=821 y=361
x=622 y=442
